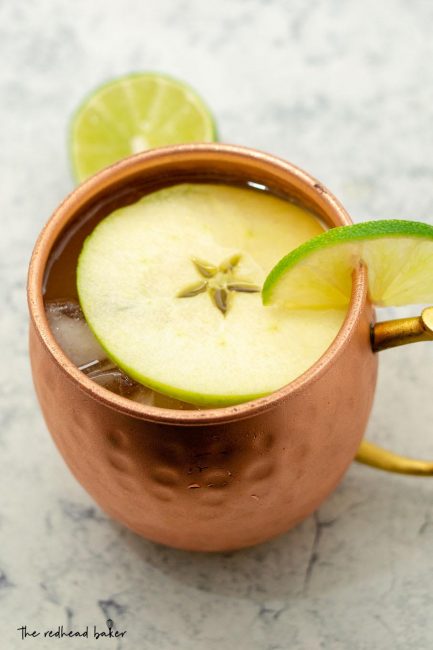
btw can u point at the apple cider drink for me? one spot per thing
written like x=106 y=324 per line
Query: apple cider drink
x=160 y=301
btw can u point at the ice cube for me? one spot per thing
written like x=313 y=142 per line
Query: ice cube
x=72 y=333
x=115 y=380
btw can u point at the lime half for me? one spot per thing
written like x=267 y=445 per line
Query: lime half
x=132 y=114
x=318 y=274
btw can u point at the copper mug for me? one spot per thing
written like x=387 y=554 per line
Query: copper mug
x=226 y=478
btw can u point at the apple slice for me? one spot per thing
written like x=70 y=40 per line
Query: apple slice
x=171 y=285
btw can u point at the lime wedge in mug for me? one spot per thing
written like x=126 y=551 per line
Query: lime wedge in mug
x=134 y=113
x=318 y=274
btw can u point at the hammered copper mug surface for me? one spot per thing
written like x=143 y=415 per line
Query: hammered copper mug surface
x=215 y=479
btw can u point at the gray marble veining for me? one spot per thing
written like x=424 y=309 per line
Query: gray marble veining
x=344 y=90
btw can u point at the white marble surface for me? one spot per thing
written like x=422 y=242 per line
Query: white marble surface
x=344 y=90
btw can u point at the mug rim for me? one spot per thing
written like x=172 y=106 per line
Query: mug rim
x=123 y=171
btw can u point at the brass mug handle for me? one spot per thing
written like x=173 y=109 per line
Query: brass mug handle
x=390 y=334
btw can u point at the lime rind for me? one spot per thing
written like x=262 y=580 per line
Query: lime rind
x=110 y=139
x=358 y=242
